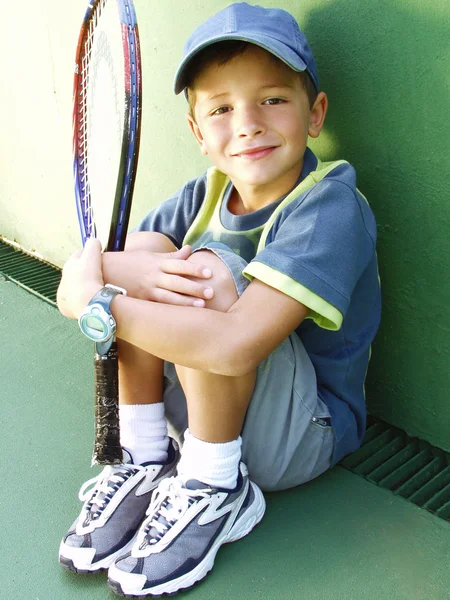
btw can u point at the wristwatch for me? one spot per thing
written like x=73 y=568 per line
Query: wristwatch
x=96 y=320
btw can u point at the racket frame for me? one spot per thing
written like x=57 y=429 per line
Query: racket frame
x=131 y=127
x=107 y=448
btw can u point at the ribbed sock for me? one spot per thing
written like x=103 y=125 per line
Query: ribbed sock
x=143 y=431
x=211 y=463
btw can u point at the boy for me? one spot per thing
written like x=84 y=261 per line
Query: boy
x=254 y=291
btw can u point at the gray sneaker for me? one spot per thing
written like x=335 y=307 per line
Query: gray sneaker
x=186 y=525
x=115 y=504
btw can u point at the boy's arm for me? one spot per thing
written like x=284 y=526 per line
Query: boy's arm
x=158 y=276
x=231 y=343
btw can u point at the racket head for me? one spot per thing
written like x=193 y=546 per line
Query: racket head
x=107 y=99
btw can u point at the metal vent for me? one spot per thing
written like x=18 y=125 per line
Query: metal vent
x=388 y=457
x=407 y=466
x=30 y=272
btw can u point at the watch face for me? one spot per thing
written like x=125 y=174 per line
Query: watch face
x=92 y=322
x=94 y=327
x=96 y=321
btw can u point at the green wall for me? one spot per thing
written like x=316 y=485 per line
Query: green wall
x=385 y=65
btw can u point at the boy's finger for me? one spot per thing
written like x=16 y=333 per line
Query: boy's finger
x=92 y=252
x=182 y=254
x=188 y=269
x=168 y=297
x=174 y=283
x=93 y=244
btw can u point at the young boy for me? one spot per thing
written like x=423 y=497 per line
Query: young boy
x=253 y=298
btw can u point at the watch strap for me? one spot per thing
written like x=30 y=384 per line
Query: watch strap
x=107 y=294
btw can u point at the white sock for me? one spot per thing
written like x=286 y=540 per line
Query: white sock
x=211 y=463
x=143 y=431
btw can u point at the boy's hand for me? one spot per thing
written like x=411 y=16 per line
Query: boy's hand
x=81 y=279
x=159 y=277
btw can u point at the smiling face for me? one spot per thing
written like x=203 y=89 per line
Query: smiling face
x=252 y=117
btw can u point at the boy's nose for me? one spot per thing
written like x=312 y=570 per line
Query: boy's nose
x=248 y=123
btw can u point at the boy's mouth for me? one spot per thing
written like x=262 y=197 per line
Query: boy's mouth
x=256 y=153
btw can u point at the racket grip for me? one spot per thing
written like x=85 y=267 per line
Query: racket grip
x=107 y=448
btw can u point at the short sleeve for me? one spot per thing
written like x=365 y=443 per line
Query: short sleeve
x=317 y=249
x=174 y=216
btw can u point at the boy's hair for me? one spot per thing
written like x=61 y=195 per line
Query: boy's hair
x=220 y=54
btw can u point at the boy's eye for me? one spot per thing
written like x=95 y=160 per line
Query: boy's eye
x=271 y=101
x=220 y=111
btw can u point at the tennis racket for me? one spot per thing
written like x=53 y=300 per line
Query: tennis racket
x=106 y=130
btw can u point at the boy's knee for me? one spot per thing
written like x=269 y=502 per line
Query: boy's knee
x=151 y=241
x=225 y=294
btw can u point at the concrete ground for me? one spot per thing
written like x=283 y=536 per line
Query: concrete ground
x=336 y=538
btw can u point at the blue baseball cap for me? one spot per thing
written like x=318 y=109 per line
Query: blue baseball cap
x=273 y=29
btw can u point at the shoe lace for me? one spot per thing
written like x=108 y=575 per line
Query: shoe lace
x=100 y=490
x=170 y=502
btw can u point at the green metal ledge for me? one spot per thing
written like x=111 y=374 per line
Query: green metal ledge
x=30 y=272
x=408 y=467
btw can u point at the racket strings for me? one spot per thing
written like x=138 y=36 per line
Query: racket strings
x=83 y=112
x=99 y=138
x=107 y=120
x=82 y=127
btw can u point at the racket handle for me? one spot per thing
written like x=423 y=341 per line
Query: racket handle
x=107 y=448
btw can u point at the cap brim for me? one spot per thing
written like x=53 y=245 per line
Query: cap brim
x=281 y=51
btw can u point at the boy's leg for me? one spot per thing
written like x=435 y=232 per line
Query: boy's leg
x=116 y=501
x=216 y=404
x=284 y=442
x=141 y=376
x=287 y=437
x=211 y=501
x=143 y=427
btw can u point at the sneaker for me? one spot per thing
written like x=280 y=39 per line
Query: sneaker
x=187 y=523
x=115 y=504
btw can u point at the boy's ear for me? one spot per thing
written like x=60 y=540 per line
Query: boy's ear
x=318 y=114
x=197 y=133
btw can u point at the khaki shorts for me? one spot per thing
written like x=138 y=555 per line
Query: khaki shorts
x=287 y=438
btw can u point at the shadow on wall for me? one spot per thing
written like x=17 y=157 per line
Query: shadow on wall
x=385 y=67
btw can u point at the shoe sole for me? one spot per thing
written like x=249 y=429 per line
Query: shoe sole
x=240 y=529
x=69 y=560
